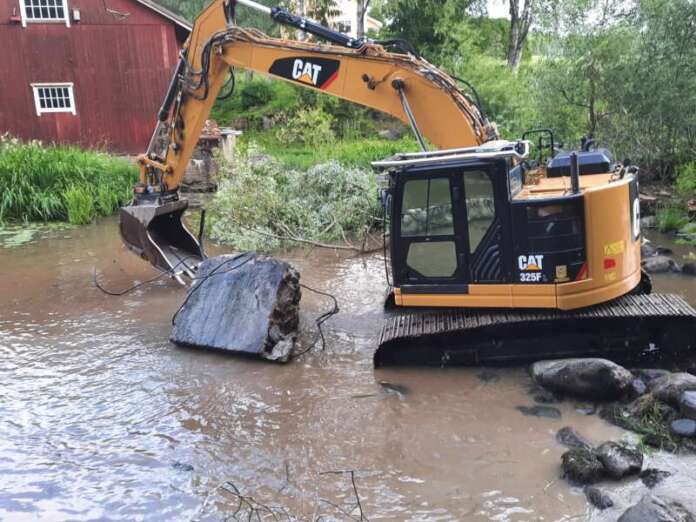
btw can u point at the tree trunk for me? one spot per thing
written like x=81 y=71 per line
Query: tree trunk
x=361 y=6
x=520 y=21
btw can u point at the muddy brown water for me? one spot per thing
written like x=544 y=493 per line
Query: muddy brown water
x=102 y=418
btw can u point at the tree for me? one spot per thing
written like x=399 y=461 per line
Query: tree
x=361 y=10
x=521 y=15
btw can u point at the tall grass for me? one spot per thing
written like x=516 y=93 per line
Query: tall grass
x=50 y=182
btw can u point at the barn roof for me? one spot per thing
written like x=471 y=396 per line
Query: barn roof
x=170 y=15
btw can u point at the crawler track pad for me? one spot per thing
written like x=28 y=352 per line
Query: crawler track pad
x=628 y=327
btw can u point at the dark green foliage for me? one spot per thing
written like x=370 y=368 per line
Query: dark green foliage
x=255 y=94
x=44 y=183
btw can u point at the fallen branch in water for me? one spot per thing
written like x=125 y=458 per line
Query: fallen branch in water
x=358 y=503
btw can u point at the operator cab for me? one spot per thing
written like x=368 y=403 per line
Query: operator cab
x=468 y=217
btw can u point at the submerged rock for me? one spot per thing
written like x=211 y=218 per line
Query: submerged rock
x=571 y=438
x=689 y=269
x=669 y=388
x=540 y=411
x=598 y=497
x=656 y=509
x=684 y=427
x=658 y=264
x=619 y=460
x=687 y=404
x=590 y=378
x=581 y=465
x=245 y=303
x=651 y=477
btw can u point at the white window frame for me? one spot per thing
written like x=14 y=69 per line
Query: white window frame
x=26 y=19
x=71 y=94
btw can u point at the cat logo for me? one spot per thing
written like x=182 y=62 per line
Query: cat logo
x=307 y=70
x=531 y=263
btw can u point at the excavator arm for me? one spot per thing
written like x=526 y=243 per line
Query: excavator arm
x=403 y=85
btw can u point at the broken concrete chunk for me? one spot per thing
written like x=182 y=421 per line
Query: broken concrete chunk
x=246 y=303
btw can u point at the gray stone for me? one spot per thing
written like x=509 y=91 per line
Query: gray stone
x=647 y=375
x=619 y=460
x=598 y=497
x=638 y=388
x=658 y=264
x=245 y=303
x=540 y=411
x=656 y=509
x=647 y=249
x=684 y=427
x=648 y=222
x=390 y=134
x=687 y=404
x=689 y=269
x=651 y=477
x=581 y=465
x=586 y=378
x=571 y=438
x=669 y=388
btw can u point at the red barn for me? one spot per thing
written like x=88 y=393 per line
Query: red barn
x=87 y=72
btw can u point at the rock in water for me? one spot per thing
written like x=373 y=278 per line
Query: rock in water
x=598 y=497
x=659 y=265
x=540 y=411
x=245 y=303
x=655 y=509
x=571 y=438
x=587 y=378
x=670 y=387
x=684 y=427
x=581 y=465
x=619 y=460
x=651 y=477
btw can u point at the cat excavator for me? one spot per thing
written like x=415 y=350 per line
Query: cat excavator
x=499 y=250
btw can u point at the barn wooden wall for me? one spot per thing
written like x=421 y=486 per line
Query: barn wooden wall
x=120 y=68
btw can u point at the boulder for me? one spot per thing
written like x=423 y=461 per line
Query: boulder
x=687 y=404
x=590 y=378
x=655 y=509
x=647 y=375
x=658 y=264
x=245 y=303
x=581 y=465
x=684 y=427
x=651 y=477
x=669 y=388
x=689 y=269
x=638 y=388
x=571 y=438
x=598 y=497
x=619 y=460
x=540 y=411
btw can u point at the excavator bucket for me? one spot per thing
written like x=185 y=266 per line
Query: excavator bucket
x=156 y=233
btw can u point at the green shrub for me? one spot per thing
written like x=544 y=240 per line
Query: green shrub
x=79 y=203
x=686 y=180
x=670 y=218
x=255 y=93
x=35 y=178
x=261 y=202
x=309 y=127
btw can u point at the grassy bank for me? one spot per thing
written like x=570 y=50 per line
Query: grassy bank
x=60 y=183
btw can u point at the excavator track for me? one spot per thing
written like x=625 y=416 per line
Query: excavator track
x=629 y=327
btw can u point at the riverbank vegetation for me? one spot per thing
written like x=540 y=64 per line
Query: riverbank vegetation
x=58 y=183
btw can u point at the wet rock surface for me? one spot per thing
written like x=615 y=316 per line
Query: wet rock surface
x=582 y=466
x=689 y=269
x=590 y=378
x=687 y=404
x=598 y=497
x=684 y=427
x=659 y=264
x=670 y=388
x=245 y=303
x=655 y=509
x=651 y=477
x=619 y=460
x=569 y=437
x=548 y=412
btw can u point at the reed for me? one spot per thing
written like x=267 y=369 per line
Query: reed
x=53 y=182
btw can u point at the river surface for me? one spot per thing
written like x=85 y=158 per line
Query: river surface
x=102 y=418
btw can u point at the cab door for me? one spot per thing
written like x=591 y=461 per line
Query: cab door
x=429 y=234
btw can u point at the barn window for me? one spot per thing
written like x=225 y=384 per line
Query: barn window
x=45 y=11
x=54 y=97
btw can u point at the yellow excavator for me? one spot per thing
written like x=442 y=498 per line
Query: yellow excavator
x=515 y=249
